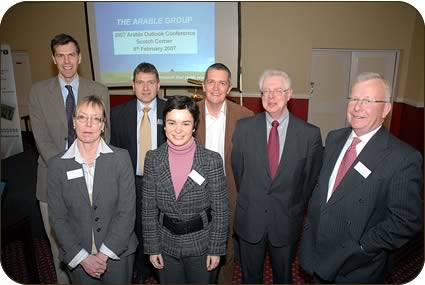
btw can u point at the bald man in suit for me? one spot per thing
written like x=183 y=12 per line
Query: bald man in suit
x=52 y=132
x=217 y=121
x=357 y=216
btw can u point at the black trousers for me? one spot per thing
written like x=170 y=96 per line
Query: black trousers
x=253 y=258
x=184 y=270
x=144 y=269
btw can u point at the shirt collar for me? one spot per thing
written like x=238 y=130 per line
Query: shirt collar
x=75 y=83
x=73 y=151
x=366 y=137
x=222 y=110
x=141 y=105
x=284 y=117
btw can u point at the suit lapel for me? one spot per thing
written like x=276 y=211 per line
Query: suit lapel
x=230 y=127
x=370 y=157
x=289 y=151
x=260 y=143
x=80 y=182
x=160 y=136
x=332 y=149
x=56 y=102
x=201 y=132
x=164 y=175
x=82 y=89
x=130 y=122
x=101 y=171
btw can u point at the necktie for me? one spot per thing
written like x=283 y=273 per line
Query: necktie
x=273 y=149
x=348 y=159
x=70 y=107
x=144 y=138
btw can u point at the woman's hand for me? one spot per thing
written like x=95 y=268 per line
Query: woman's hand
x=157 y=261
x=93 y=266
x=212 y=262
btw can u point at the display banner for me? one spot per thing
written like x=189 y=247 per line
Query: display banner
x=10 y=128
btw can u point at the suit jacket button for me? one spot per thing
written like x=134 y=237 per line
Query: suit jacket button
x=348 y=222
x=96 y=219
x=94 y=207
x=266 y=211
x=98 y=230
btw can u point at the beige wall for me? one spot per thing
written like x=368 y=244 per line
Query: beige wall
x=274 y=34
x=287 y=32
x=30 y=26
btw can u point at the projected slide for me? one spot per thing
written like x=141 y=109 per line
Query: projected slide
x=178 y=38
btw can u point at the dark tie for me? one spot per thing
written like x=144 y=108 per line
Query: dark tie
x=70 y=107
x=273 y=149
x=348 y=159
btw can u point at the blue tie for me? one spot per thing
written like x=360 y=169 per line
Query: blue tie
x=70 y=107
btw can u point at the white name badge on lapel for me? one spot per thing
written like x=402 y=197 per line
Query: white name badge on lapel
x=362 y=169
x=72 y=174
x=196 y=177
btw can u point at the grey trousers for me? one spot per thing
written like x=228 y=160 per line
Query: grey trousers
x=117 y=272
x=60 y=268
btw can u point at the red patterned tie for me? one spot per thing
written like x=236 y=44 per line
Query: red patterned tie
x=348 y=159
x=273 y=149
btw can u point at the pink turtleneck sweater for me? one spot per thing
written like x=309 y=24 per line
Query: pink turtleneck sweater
x=181 y=160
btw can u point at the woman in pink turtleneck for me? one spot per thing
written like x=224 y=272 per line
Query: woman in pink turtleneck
x=184 y=204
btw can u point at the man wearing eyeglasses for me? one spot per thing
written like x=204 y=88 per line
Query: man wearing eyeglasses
x=368 y=198
x=51 y=107
x=217 y=121
x=276 y=160
x=137 y=126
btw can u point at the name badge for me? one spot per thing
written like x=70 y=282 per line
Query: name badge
x=362 y=169
x=196 y=177
x=72 y=174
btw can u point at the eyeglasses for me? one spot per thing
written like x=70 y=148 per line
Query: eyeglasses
x=222 y=84
x=364 y=102
x=278 y=92
x=95 y=120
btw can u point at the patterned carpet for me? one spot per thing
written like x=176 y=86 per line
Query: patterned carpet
x=407 y=264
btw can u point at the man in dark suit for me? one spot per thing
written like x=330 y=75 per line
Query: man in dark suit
x=217 y=121
x=276 y=159
x=126 y=120
x=355 y=220
x=53 y=131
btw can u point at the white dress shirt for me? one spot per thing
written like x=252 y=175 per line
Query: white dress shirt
x=215 y=129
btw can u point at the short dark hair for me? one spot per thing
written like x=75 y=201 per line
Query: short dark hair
x=145 y=67
x=63 y=39
x=218 y=66
x=180 y=103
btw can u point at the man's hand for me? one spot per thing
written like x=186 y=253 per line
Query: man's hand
x=93 y=266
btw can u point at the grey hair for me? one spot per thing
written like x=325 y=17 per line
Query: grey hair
x=365 y=76
x=275 y=72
